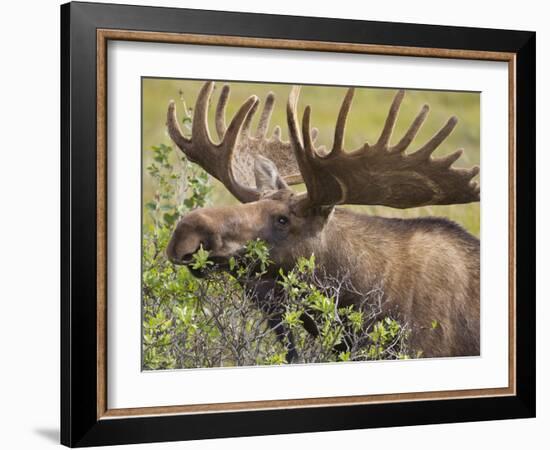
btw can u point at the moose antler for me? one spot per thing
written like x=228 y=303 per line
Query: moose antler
x=379 y=174
x=232 y=160
x=258 y=144
x=216 y=159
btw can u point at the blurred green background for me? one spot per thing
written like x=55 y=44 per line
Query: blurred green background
x=365 y=121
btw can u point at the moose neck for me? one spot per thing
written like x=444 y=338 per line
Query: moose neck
x=346 y=245
x=383 y=253
x=361 y=256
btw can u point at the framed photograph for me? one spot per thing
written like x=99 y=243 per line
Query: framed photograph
x=276 y=224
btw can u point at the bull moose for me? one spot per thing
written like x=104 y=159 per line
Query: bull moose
x=428 y=267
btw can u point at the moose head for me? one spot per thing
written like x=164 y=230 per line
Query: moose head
x=259 y=171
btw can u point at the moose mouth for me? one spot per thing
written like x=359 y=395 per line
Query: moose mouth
x=219 y=263
x=215 y=263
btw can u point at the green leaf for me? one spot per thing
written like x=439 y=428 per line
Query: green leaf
x=200 y=259
x=344 y=356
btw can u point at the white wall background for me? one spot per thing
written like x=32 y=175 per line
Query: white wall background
x=29 y=236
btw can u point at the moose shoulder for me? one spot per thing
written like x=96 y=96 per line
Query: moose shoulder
x=428 y=268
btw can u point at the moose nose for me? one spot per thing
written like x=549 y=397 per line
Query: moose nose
x=187 y=258
x=181 y=260
x=184 y=259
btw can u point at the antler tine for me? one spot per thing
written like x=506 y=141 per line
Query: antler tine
x=387 y=131
x=294 y=133
x=321 y=190
x=248 y=119
x=307 y=135
x=429 y=147
x=292 y=118
x=411 y=133
x=340 y=129
x=449 y=160
x=467 y=174
x=199 y=130
x=265 y=117
x=240 y=121
x=221 y=127
x=174 y=130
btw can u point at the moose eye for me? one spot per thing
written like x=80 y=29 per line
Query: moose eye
x=282 y=220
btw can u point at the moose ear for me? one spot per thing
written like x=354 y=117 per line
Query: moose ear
x=267 y=176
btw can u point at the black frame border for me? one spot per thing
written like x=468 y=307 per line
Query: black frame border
x=79 y=423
